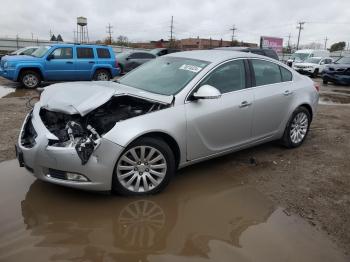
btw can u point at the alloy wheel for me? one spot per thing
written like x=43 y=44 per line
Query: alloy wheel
x=102 y=76
x=299 y=127
x=141 y=169
x=30 y=80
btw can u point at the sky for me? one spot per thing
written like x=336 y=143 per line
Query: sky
x=150 y=19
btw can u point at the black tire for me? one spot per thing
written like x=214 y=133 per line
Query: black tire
x=286 y=139
x=168 y=154
x=102 y=75
x=315 y=73
x=324 y=81
x=30 y=79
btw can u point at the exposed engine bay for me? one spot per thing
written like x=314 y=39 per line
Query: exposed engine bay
x=84 y=133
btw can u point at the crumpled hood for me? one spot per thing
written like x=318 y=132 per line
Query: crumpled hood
x=83 y=97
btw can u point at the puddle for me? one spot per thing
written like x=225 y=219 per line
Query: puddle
x=334 y=99
x=201 y=216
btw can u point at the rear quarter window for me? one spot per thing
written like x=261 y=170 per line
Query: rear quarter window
x=103 y=53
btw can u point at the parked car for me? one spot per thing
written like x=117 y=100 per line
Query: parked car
x=131 y=135
x=255 y=50
x=61 y=62
x=164 y=51
x=128 y=61
x=338 y=73
x=25 y=50
x=313 y=65
x=303 y=54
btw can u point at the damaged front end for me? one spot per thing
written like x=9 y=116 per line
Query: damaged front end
x=84 y=132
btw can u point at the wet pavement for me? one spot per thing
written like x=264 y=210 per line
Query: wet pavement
x=202 y=216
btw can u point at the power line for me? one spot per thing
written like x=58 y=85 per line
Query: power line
x=109 y=32
x=299 y=27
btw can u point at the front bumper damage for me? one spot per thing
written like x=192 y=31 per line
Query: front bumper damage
x=62 y=165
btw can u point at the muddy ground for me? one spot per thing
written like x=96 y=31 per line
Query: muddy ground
x=311 y=182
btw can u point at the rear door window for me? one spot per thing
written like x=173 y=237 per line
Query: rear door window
x=286 y=74
x=85 y=52
x=266 y=72
x=103 y=53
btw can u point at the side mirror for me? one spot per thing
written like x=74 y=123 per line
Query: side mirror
x=207 y=92
x=49 y=57
x=322 y=63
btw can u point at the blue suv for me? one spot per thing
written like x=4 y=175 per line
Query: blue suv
x=61 y=62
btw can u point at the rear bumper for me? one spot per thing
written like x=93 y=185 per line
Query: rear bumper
x=41 y=158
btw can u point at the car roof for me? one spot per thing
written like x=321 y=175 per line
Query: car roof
x=214 y=55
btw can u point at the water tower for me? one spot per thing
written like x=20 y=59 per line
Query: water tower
x=82 y=30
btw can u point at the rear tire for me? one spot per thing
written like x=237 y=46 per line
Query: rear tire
x=30 y=79
x=297 y=128
x=102 y=75
x=138 y=173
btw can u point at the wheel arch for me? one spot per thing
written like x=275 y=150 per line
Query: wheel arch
x=308 y=108
x=173 y=144
x=102 y=67
x=35 y=69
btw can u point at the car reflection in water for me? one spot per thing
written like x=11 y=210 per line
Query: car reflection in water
x=85 y=226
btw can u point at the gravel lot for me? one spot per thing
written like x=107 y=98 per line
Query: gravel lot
x=312 y=181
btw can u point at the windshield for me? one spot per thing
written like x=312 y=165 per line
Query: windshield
x=299 y=56
x=313 y=60
x=164 y=75
x=41 y=51
x=343 y=60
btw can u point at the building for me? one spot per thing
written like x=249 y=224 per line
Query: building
x=205 y=43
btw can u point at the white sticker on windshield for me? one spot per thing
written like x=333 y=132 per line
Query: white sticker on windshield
x=191 y=68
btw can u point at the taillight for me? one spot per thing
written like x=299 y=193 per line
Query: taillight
x=317 y=86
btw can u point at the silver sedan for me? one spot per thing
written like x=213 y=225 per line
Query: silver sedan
x=131 y=135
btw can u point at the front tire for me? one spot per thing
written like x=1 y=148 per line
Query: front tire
x=297 y=128
x=315 y=73
x=145 y=167
x=102 y=75
x=30 y=79
x=325 y=81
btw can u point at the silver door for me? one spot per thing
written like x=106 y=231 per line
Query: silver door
x=272 y=98
x=217 y=125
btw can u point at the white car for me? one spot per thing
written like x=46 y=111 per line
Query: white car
x=303 y=54
x=312 y=66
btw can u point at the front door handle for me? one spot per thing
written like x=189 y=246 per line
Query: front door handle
x=244 y=104
x=91 y=62
x=287 y=92
x=69 y=62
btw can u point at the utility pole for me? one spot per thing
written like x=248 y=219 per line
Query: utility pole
x=233 y=29
x=289 y=36
x=109 y=32
x=325 y=42
x=171 y=30
x=50 y=33
x=299 y=27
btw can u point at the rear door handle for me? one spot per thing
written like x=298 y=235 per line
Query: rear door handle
x=287 y=92
x=244 y=104
x=91 y=62
x=69 y=62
